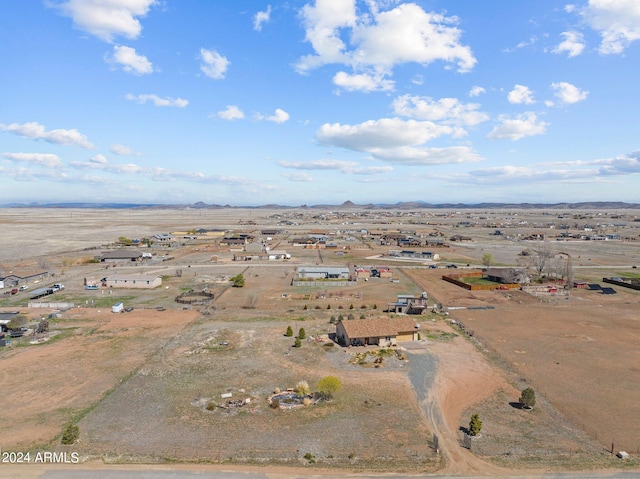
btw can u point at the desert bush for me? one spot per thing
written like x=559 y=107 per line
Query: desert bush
x=210 y=406
x=329 y=385
x=289 y=331
x=528 y=398
x=302 y=388
x=302 y=334
x=70 y=434
x=297 y=343
x=275 y=403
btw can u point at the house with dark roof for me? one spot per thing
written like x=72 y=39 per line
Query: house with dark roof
x=376 y=331
x=121 y=256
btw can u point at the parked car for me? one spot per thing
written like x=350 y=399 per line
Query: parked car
x=92 y=286
x=14 y=291
x=24 y=287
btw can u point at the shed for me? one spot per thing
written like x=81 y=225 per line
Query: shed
x=117 y=308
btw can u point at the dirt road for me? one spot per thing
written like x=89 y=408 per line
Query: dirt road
x=448 y=379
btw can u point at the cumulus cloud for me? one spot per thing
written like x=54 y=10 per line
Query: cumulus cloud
x=517 y=128
x=46 y=160
x=395 y=140
x=573 y=44
x=617 y=21
x=520 y=94
x=157 y=101
x=122 y=150
x=363 y=82
x=260 y=18
x=107 y=19
x=130 y=61
x=231 y=112
x=36 y=131
x=348 y=167
x=446 y=110
x=279 y=116
x=213 y=64
x=476 y=91
x=568 y=93
x=379 y=40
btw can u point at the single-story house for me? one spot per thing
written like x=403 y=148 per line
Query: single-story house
x=376 y=331
x=323 y=272
x=507 y=275
x=409 y=304
x=278 y=254
x=139 y=281
x=162 y=238
x=120 y=256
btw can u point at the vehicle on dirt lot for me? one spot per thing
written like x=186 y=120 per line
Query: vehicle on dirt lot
x=14 y=291
x=24 y=287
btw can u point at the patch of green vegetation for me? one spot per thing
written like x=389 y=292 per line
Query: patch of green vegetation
x=441 y=336
x=478 y=281
x=108 y=301
x=628 y=274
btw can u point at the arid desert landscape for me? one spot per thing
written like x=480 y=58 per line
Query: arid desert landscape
x=189 y=370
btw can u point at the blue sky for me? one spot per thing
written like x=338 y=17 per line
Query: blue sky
x=319 y=101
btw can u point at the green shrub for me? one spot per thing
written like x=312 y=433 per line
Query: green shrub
x=302 y=334
x=297 y=343
x=475 y=425
x=289 y=331
x=70 y=434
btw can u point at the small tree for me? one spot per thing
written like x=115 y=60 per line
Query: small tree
x=328 y=386
x=70 y=434
x=297 y=343
x=302 y=334
x=475 y=425
x=528 y=398
x=487 y=259
x=289 y=331
x=238 y=281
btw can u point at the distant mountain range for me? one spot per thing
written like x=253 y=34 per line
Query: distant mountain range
x=347 y=205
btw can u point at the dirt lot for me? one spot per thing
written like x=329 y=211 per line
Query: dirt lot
x=56 y=382
x=579 y=353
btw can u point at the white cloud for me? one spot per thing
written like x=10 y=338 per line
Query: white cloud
x=362 y=82
x=617 y=21
x=279 y=116
x=260 y=18
x=395 y=140
x=305 y=177
x=476 y=91
x=568 y=93
x=379 y=40
x=408 y=155
x=107 y=19
x=130 y=61
x=46 y=160
x=521 y=94
x=348 y=167
x=213 y=64
x=573 y=44
x=36 y=131
x=446 y=110
x=517 y=128
x=231 y=112
x=122 y=150
x=157 y=101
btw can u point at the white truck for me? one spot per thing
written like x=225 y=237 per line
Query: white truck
x=58 y=287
